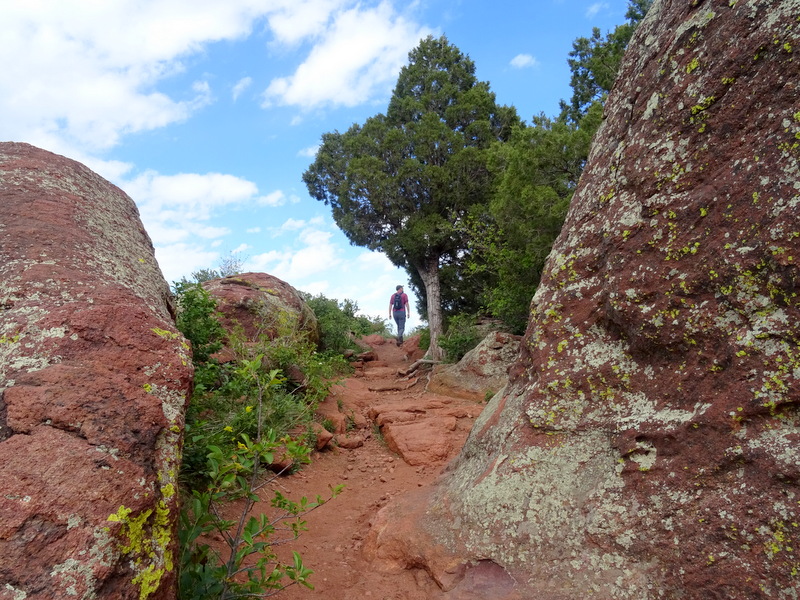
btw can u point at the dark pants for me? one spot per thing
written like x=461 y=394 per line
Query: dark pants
x=400 y=319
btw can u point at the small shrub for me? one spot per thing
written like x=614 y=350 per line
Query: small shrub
x=251 y=569
x=461 y=337
x=377 y=433
x=338 y=322
x=239 y=415
x=350 y=423
x=424 y=337
x=197 y=320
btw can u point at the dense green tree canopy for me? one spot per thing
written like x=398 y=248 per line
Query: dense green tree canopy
x=401 y=182
x=537 y=171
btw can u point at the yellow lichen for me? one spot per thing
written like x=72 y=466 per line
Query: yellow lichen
x=147 y=543
x=168 y=335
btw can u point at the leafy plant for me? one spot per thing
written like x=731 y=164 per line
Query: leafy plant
x=251 y=568
x=197 y=320
x=339 y=322
x=461 y=337
x=424 y=336
x=237 y=423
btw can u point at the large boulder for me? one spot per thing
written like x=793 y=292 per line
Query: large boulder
x=93 y=381
x=259 y=305
x=648 y=444
x=481 y=372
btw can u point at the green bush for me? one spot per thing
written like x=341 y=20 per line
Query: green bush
x=223 y=395
x=338 y=322
x=197 y=320
x=239 y=415
x=461 y=337
x=250 y=569
x=424 y=337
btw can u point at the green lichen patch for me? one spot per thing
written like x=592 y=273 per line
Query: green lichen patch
x=145 y=538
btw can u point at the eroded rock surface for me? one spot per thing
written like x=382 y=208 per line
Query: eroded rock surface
x=93 y=381
x=423 y=428
x=481 y=372
x=648 y=444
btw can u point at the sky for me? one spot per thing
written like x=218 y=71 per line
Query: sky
x=207 y=112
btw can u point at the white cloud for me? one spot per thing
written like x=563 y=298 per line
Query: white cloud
x=521 y=61
x=370 y=283
x=318 y=260
x=276 y=198
x=315 y=255
x=309 y=152
x=375 y=261
x=84 y=74
x=177 y=208
x=193 y=196
x=315 y=237
x=595 y=8
x=206 y=232
x=240 y=86
x=180 y=260
x=321 y=286
x=357 y=58
x=292 y=225
x=203 y=97
x=300 y=19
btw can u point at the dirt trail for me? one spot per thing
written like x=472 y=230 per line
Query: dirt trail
x=373 y=475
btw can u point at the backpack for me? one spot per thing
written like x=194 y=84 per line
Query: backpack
x=398 y=301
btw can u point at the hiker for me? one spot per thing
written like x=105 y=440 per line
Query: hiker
x=398 y=308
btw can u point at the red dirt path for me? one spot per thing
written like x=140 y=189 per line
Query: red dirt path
x=373 y=475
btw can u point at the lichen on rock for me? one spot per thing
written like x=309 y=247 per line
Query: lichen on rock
x=91 y=394
x=647 y=444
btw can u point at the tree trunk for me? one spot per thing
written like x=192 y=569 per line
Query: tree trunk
x=429 y=273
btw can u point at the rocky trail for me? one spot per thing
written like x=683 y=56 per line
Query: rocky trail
x=421 y=432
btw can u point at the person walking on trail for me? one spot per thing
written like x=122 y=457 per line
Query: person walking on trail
x=398 y=308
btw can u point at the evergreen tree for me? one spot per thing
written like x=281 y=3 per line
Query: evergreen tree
x=402 y=182
x=594 y=62
x=537 y=172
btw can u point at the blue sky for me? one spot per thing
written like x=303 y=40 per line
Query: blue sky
x=207 y=112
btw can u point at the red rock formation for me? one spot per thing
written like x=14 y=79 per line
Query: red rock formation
x=648 y=445
x=262 y=304
x=93 y=380
x=482 y=371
